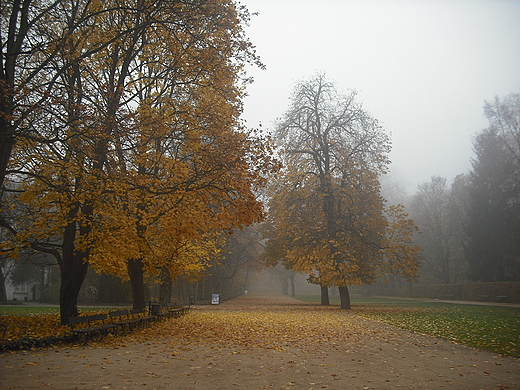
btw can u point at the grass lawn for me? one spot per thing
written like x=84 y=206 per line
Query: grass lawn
x=39 y=310
x=494 y=328
x=24 y=311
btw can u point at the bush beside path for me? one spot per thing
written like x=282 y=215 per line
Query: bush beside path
x=263 y=342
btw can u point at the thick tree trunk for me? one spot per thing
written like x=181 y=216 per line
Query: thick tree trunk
x=344 y=296
x=7 y=132
x=325 y=296
x=6 y=147
x=73 y=267
x=165 y=291
x=136 y=273
x=3 y=292
x=73 y=273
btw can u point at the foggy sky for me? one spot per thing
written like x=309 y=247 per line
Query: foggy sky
x=422 y=67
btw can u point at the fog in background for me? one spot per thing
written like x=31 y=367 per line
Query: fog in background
x=423 y=68
x=268 y=282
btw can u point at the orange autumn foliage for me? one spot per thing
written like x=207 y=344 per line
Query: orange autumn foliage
x=327 y=216
x=149 y=163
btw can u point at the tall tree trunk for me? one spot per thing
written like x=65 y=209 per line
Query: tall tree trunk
x=73 y=273
x=344 y=296
x=7 y=131
x=293 y=286
x=73 y=264
x=325 y=296
x=6 y=147
x=165 y=291
x=136 y=273
x=3 y=292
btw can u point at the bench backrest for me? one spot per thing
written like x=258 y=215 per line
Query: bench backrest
x=88 y=319
x=138 y=311
x=118 y=313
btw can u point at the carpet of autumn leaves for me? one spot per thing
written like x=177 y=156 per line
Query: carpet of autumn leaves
x=245 y=344
x=269 y=326
x=269 y=330
x=17 y=332
x=278 y=325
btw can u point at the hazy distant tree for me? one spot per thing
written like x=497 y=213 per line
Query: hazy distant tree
x=494 y=196
x=504 y=119
x=393 y=190
x=459 y=210
x=286 y=277
x=434 y=212
x=240 y=255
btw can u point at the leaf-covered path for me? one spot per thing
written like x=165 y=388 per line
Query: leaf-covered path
x=263 y=342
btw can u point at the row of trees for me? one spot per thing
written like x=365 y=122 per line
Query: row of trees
x=122 y=147
x=227 y=274
x=471 y=229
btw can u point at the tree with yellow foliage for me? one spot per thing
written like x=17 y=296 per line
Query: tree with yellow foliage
x=326 y=211
x=150 y=162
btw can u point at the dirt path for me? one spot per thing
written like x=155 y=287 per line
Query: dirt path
x=263 y=342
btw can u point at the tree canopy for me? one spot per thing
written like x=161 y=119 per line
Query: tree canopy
x=138 y=159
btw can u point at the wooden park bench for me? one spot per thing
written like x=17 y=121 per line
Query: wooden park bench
x=141 y=317
x=123 y=319
x=96 y=324
x=171 y=310
x=177 y=311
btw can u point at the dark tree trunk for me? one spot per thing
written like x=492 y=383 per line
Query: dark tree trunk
x=7 y=132
x=73 y=273
x=293 y=286
x=6 y=147
x=325 y=296
x=3 y=292
x=136 y=273
x=73 y=267
x=165 y=291
x=344 y=296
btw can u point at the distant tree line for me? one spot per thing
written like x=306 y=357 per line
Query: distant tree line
x=470 y=231
x=335 y=217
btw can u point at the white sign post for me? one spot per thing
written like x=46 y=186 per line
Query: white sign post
x=215 y=299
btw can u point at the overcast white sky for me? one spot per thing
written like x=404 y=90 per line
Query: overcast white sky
x=422 y=67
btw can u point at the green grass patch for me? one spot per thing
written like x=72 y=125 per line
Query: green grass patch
x=493 y=328
x=40 y=310
x=27 y=311
x=354 y=299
